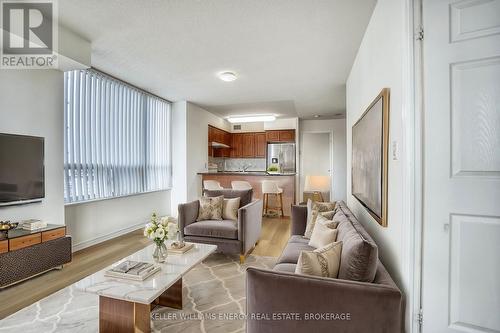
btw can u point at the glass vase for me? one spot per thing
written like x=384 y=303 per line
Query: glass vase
x=160 y=253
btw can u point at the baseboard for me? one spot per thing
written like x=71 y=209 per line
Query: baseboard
x=103 y=238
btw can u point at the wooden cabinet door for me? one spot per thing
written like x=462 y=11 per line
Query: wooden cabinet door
x=287 y=136
x=211 y=134
x=236 y=146
x=227 y=138
x=248 y=143
x=260 y=144
x=272 y=136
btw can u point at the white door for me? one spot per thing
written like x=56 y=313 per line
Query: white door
x=461 y=236
x=315 y=158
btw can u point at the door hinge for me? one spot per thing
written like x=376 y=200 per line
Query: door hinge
x=419 y=33
x=420 y=318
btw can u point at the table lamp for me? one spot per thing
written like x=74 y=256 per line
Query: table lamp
x=317 y=185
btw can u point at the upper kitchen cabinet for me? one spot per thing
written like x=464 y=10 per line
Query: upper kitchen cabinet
x=248 y=145
x=236 y=145
x=280 y=136
x=260 y=145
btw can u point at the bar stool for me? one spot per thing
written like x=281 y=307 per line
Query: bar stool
x=212 y=185
x=240 y=185
x=271 y=187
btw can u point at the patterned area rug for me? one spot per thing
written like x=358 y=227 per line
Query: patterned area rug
x=213 y=298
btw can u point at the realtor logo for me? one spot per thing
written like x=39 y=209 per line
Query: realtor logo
x=29 y=36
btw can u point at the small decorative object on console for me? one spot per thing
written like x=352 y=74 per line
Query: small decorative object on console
x=33 y=224
x=159 y=230
x=178 y=248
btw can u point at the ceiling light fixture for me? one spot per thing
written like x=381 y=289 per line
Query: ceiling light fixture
x=317 y=116
x=227 y=76
x=250 y=119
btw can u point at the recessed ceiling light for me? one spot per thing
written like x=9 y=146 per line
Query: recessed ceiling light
x=317 y=116
x=227 y=76
x=251 y=119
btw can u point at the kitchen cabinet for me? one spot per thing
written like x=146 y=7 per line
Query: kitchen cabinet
x=272 y=136
x=280 y=135
x=248 y=145
x=260 y=145
x=236 y=145
x=287 y=136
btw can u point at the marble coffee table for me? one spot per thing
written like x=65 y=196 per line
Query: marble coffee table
x=125 y=306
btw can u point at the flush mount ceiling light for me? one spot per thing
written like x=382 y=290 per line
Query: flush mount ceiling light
x=227 y=76
x=250 y=119
x=317 y=116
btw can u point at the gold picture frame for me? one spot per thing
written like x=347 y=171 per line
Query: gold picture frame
x=370 y=157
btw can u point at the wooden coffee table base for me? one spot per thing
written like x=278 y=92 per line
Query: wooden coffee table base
x=120 y=316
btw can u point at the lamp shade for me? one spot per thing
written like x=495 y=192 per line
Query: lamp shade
x=317 y=183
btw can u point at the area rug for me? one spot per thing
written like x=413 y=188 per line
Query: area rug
x=213 y=298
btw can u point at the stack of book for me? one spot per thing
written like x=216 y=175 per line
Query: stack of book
x=33 y=224
x=133 y=270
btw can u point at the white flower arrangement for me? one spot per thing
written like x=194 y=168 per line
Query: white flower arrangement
x=160 y=229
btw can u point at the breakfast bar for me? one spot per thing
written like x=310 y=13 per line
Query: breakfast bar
x=286 y=181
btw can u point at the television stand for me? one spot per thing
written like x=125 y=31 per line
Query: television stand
x=25 y=254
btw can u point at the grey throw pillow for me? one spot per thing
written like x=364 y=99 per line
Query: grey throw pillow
x=210 y=208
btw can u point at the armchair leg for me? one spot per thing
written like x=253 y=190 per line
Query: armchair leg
x=243 y=256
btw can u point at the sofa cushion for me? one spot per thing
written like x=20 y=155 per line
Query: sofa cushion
x=213 y=228
x=324 y=261
x=324 y=233
x=244 y=195
x=230 y=209
x=298 y=239
x=313 y=209
x=359 y=252
x=291 y=252
x=210 y=208
x=285 y=267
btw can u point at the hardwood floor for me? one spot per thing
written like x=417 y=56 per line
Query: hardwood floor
x=275 y=233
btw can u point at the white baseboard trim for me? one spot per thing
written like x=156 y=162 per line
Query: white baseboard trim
x=103 y=238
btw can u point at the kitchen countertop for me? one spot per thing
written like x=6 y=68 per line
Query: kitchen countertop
x=245 y=173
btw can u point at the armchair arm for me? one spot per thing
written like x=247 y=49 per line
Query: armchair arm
x=352 y=306
x=299 y=219
x=249 y=224
x=188 y=213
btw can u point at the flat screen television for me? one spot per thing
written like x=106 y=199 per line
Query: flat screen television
x=21 y=169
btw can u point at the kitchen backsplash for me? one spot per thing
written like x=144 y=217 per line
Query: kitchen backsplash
x=237 y=164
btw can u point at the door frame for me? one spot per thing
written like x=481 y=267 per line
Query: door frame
x=413 y=173
x=330 y=162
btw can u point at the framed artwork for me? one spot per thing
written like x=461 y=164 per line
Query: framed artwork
x=370 y=150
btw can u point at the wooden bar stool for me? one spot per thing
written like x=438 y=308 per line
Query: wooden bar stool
x=271 y=187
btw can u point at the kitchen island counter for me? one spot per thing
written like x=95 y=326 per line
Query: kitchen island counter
x=284 y=181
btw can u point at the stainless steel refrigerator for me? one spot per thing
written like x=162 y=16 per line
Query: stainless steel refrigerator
x=281 y=155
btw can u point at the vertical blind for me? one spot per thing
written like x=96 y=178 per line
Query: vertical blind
x=117 y=138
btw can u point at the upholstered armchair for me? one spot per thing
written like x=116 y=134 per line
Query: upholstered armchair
x=237 y=237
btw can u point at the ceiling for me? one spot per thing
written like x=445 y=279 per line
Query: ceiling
x=292 y=57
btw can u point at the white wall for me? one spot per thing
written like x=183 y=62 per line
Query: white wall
x=380 y=63
x=198 y=120
x=31 y=103
x=338 y=127
x=179 y=155
x=93 y=222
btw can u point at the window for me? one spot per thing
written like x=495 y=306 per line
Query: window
x=117 y=138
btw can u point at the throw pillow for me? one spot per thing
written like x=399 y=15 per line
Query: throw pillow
x=230 y=209
x=210 y=208
x=313 y=209
x=324 y=233
x=323 y=262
